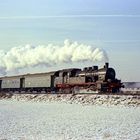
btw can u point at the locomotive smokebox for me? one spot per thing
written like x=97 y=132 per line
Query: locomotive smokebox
x=106 y=65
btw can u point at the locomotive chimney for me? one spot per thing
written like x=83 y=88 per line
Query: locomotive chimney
x=106 y=65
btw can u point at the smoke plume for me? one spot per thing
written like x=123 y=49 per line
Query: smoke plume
x=29 y=56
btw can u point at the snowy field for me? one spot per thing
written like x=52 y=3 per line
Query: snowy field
x=59 y=121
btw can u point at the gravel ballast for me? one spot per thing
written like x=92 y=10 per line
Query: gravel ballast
x=85 y=99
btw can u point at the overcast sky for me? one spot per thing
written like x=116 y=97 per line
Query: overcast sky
x=113 y=25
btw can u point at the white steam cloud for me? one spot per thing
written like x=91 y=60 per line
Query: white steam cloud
x=29 y=56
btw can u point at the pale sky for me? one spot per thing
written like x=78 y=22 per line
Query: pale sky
x=113 y=25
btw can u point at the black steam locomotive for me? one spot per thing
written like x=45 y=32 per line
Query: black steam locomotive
x=88 y=80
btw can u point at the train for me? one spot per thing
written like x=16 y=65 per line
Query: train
x=72 y=80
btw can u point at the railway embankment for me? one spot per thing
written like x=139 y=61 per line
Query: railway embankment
x=85 y=99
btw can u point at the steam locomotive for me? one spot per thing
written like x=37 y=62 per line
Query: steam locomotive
x=74 y=80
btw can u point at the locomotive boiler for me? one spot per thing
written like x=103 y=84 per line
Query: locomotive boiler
x=74 y=80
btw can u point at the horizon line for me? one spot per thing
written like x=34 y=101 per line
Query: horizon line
x=68 y=16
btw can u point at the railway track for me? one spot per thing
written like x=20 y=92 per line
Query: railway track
x=112 y=94
x=59 y=93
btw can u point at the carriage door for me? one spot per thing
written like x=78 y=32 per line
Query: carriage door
x=52 y=80
x=22 y=82
x=0 y=84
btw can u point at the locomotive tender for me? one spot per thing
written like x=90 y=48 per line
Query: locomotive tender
x=74 y=80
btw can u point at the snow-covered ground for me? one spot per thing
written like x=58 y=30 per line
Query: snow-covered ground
x=60 y=121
